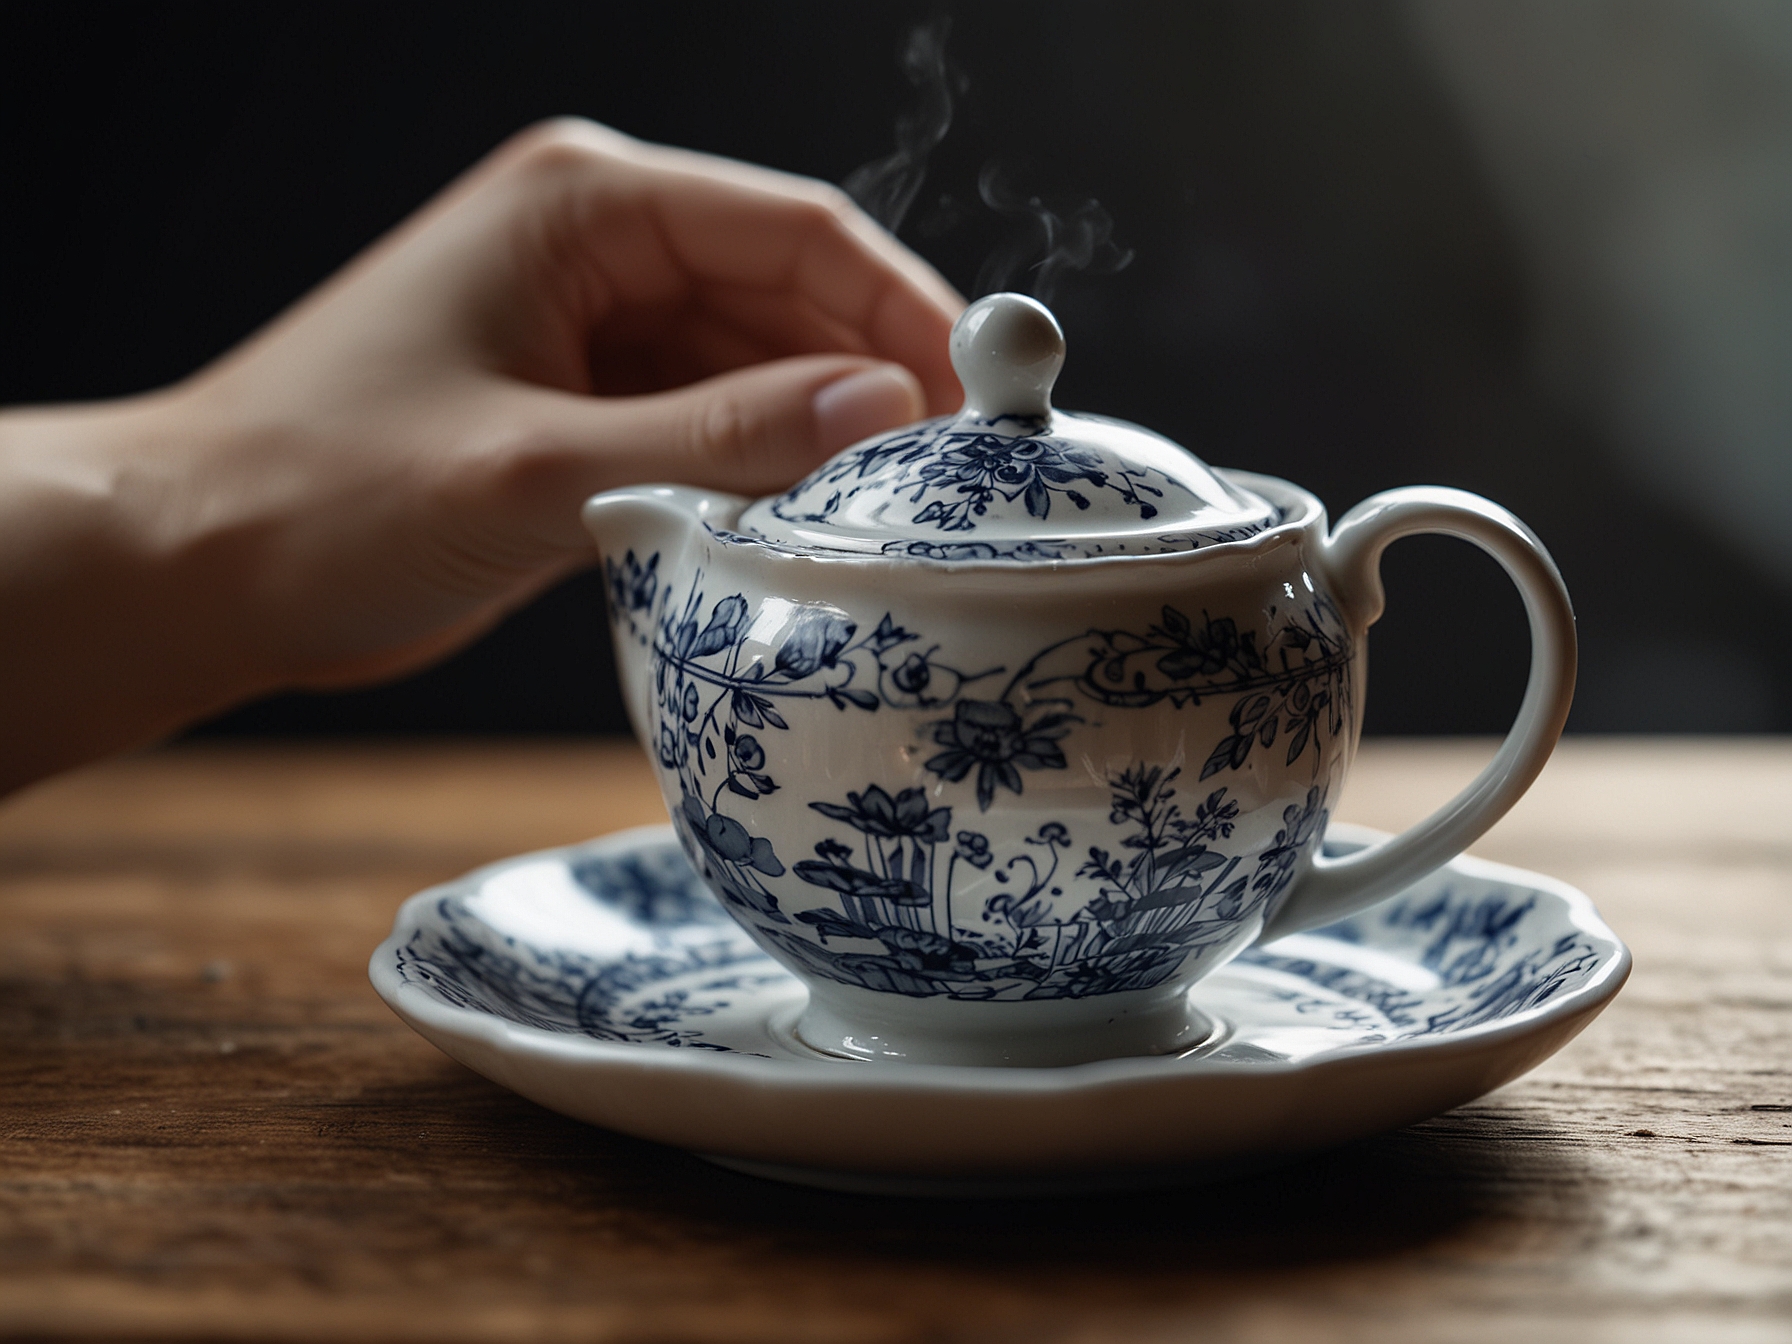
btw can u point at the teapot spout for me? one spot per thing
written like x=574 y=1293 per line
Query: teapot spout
x=650 y=518
x=644 y=531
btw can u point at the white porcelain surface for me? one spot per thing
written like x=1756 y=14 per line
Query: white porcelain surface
x=1009 y=477
x=1002 y=737
x=604 y=982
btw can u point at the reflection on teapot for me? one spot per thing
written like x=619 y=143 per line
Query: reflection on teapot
x=1003 y=729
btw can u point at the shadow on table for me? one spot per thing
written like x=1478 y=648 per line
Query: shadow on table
x=1482 y=1163
x=1366 y=1200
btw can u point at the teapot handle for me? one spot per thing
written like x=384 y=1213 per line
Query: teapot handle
x=1336 y=887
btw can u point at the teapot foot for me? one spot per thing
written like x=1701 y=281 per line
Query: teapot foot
x=843 y=1022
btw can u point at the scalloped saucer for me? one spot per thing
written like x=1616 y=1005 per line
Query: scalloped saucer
x=604 y=982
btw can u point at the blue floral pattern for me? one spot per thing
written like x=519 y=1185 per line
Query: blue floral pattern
x=1173 y=899
x=1489 y=963
x=953 y=477
x=1048 y=928
x=991 y=738
x=1080 y=548
x=1493 y=950
x=700 y=958
x=960 y=551
x=1298 y=688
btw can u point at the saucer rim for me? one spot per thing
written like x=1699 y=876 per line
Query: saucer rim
x=428 y=1015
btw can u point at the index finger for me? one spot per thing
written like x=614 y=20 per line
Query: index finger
x=737 y=227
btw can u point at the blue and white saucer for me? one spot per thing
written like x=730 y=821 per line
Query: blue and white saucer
x=604 y=982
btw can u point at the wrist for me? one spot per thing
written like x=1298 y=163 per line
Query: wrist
x=117 y=612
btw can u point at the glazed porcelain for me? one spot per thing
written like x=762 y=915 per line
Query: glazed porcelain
x=1001 y=731
x=605 y=982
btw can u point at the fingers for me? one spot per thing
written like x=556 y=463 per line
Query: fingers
x=787 y=261
x=752 y=431
x=862 y=404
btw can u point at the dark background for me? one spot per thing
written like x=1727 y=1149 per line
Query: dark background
x=1325 y=285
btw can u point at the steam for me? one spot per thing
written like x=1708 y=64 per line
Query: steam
x=1045 y=243
x=886 y=188
x=1048 y=245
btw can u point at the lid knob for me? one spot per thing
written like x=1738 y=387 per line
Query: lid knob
x=1007 y=350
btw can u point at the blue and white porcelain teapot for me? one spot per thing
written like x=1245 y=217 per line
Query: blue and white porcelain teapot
x=1003 y=729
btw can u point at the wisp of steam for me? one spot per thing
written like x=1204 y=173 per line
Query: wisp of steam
x=1047 y=246
x=886 y=188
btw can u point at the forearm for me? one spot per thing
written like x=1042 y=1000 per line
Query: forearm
x=116 y=612
x=385 y=470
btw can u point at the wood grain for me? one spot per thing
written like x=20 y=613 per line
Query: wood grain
x=210 y=1128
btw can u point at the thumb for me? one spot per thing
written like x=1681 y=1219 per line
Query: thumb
x=752 y=430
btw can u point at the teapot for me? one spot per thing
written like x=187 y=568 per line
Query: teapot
x=1003 y=729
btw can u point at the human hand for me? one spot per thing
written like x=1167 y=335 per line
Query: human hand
x=399 y=460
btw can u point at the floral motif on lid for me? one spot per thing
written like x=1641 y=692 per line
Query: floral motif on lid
x=1010 y=478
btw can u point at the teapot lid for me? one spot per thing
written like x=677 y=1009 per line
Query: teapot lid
x=1009 y=477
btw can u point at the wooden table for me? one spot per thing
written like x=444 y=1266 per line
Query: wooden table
x=210 y=1127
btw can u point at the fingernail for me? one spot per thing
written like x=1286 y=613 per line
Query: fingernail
x=859 y=405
